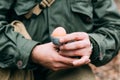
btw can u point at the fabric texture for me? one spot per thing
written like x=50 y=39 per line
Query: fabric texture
x=99 y=18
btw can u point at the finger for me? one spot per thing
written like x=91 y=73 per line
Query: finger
x=67 y=60
x=60 y=66
x=79 y=52
x=75 y=45
x=73 y=37
x=84 y=60
x=67 y=53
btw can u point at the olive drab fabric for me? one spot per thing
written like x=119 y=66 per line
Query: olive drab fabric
x=7 y=74
x=28 y=75
x=99 y=18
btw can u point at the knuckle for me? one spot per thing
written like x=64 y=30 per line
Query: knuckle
x=55 y=59
x=85 y=34
x=77 y=35
x=90 y=51
x=66 y=38
x=65 y=46
x=88 y=44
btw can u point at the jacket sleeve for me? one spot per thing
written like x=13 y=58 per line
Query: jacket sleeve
x=14 y=48
x=106 y=35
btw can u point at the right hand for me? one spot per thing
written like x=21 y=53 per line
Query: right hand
x=47 y=56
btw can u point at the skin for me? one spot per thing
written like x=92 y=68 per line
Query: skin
x=48 y=56
x=78 y=44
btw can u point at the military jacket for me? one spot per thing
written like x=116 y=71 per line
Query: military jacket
x=99 y=18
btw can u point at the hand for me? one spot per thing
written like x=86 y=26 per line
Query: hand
x=47 y=56
x=76 y=44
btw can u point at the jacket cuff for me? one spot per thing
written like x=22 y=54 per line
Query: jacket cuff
x=25 y=52
x=95 y=49
x=95 y=57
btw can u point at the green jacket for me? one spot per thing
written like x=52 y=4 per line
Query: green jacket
x=99 y=18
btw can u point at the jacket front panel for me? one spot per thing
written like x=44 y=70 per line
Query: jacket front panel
x=73 y=15
x=100 y=19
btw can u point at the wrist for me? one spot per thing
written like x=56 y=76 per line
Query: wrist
x=34 y=57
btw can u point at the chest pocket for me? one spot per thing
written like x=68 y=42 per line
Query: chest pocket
x=83 y=9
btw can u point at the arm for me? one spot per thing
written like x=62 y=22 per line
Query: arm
x=14 y=48
x=106 y=36
x=16 y=51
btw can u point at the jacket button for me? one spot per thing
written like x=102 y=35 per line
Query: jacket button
x=19 y=64
x=88 y=20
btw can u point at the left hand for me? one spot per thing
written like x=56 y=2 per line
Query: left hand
x=76 y=44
